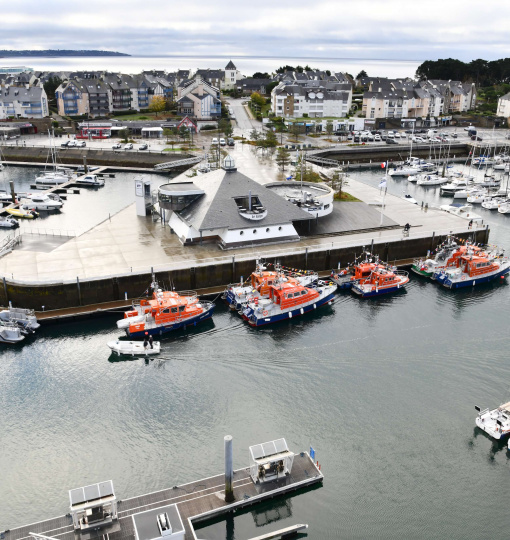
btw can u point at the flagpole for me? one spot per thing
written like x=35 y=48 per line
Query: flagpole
x=385 y=181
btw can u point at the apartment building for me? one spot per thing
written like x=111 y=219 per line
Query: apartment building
x=198 y=99
x=23 y=102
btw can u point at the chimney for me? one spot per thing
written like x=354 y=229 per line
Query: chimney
x=229 y=469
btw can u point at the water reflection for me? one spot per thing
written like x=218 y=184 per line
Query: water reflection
x=496 y=446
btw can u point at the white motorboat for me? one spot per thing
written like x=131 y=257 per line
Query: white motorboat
x=41 y=201
x=504 y=208
x=457 y=185
x=10 y=333
x=134 y=348
x=502 y=167
x=488 y=181
x=432 y=180
x=25 y=318
x=414 y=177
x=90 y=180
x=467 y=192
x=464 y=211
x=478 y=198
x=8 y=222
x=5 y=198
x=493 y=204
x=404 y=170
x=495 y=423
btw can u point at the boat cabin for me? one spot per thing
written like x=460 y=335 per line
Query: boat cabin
x=262 y=281
x=291 y=294
x=93 y=506
x=164 y=523
x=477 y=266
x=270 y=461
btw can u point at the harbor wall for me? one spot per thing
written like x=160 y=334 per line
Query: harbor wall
x=74 y=156
x=86 y=292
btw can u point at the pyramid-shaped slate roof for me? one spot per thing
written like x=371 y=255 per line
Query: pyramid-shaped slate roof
x=230 y=65
x=217 y=208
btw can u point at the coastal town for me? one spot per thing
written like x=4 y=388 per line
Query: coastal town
x=187 y=252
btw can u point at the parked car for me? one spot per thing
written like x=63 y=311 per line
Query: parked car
x=117 y=146
x=65 y=144
x=71 y=143
x=377 y=138
x=349 y=137
x=389 y=140
x=214 y=140
x=143 y=147
x=231 y=142
x=454 y=135
x=129 y=146
x=476 y=138
x=81 y=144
x=396 y=135
x=420 y=140
x=356 y=138
x=223 y=142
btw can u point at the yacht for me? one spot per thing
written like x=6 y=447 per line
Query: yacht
x=8 y=222
x=90 y=180
x=41 y=201
x=495 y=423
x=461 y=210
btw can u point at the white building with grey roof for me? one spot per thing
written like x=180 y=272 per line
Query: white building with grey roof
x=228 y=208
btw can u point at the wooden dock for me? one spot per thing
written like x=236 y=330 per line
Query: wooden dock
x=196 y=501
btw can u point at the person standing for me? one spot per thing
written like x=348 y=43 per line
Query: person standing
x=151 y=342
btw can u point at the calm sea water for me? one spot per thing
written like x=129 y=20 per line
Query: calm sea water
x=248 y=65
x=383 y=389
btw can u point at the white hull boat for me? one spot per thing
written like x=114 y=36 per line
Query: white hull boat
x=52 y=178
x=8 y=223
x=10 y=333
x=464 y=211
x=24 y=318
x=410 y=199
x=41 y=202
x=90 y=180
x=134 y=348
x=404 y=171
x=432 y=180
x=504 y=208
x=493 y=204
x=495 y=423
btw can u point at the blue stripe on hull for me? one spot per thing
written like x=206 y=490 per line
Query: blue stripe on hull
x=376 y=293
x=160 y=330
x=285 y=316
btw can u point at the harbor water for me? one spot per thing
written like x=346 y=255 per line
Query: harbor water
x=383 y=389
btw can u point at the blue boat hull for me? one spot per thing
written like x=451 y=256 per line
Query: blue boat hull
x=160 y=330
x=285 y=316
x=379 y=292
x=445 y=282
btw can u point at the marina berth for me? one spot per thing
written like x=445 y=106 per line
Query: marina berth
x=473 y=268
x=163 y=312
x=24 y=318
x=495 y=422
x=461 y=210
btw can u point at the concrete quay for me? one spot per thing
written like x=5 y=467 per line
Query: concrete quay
x=115 y=259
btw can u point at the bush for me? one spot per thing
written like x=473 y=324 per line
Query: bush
x=208 y=127
x=259 y=117
x=305 y=115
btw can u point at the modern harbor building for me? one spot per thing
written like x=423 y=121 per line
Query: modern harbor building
x=228 y=208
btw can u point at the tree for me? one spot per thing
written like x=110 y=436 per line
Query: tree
x=254 y=135
x=225 y=127
x=361 y=74
x=270 y=86
x=257 y=99
x=282 y=157
x=337 y=182
x=329 y=128
x=50 y=87
x=124 y=134
x=158 y=104
x=295 y=130
x=259 y=75
x=270 y=141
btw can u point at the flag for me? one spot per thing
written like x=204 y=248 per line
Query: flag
x=384 y=165
x=382 y=183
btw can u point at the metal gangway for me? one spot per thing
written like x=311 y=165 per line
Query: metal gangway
x=324 y=162
x=178 y=163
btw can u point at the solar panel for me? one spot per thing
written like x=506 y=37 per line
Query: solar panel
x=77 y=496
x=269 y=448
x=91 y=492
x=257 y=451
x=281 y=445
x=105 y=488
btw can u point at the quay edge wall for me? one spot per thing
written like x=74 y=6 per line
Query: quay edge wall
x=74 y=156
x=86 y=292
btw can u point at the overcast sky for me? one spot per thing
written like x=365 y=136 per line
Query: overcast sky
x=382 y=29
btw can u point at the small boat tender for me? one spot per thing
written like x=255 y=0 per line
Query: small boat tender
x=134 y=348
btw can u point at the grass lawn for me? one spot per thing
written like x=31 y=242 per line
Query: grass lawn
x=346 y=197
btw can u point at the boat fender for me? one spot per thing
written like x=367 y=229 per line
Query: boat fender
x=265 y=313
x=463 y=278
